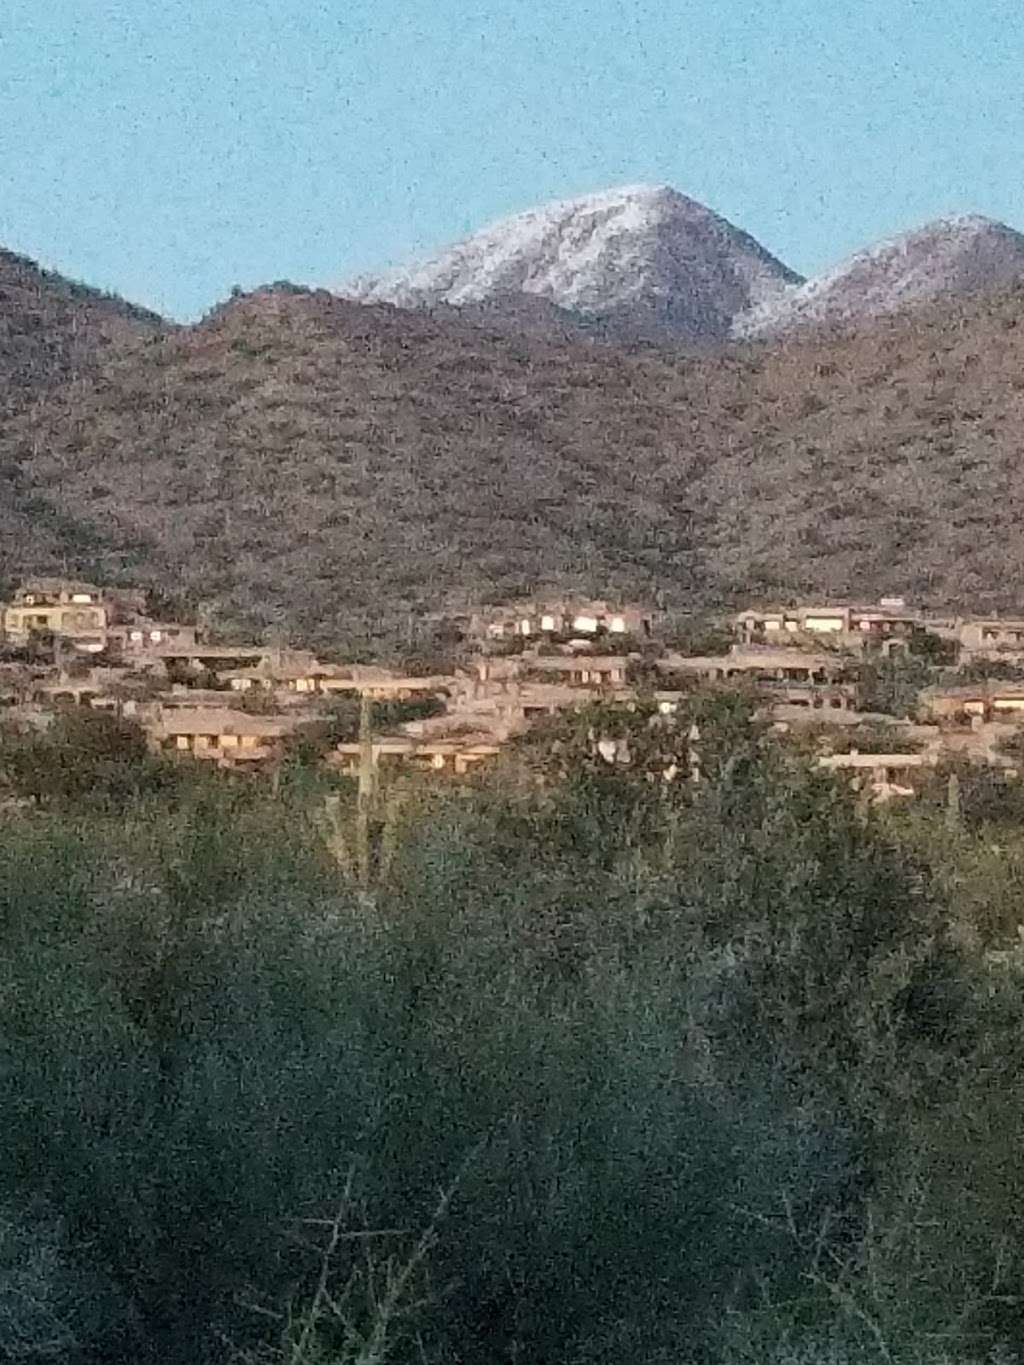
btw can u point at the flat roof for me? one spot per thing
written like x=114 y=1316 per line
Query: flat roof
x=207 y=720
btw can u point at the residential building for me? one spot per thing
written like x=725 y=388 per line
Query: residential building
x=139 y=635
x=884 y=626
x=174 y=658
x=759 y=663
x=65 y=608
x=584 y=670
x=307 y=676
x=973 y=702
x=562 y=618
x=991 y=638
x=454 y=754
x=381 y=684
x=218 y=734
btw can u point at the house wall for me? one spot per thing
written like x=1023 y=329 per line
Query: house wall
x=61 y=620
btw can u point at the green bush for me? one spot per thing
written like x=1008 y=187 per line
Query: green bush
x=600 y=1067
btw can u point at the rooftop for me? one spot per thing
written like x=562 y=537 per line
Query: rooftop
x=222 y=721
x=57 y=585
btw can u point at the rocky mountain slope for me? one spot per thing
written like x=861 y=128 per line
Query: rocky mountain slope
x=52 y=329
x=963 y=255
x=310 y=464
x=641 y=261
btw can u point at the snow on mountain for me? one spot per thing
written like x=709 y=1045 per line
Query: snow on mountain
x=958 y=255
x=644 y=257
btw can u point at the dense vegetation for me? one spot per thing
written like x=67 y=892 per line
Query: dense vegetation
x=597 y=1068
x=330 y=471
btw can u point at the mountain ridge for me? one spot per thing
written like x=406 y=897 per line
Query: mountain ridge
x=641 y=257
x=333 y=470
x=52 y=327
x=959 y=254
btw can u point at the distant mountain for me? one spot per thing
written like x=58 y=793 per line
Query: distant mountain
x=962 y=255
x=641 y=261
x=52 y=329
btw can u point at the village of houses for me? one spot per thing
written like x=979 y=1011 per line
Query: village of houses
x=70 y=644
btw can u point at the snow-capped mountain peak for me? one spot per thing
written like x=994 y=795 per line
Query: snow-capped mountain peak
x=644 y=256
x=960 y=254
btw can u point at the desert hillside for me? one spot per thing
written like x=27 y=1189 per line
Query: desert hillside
x=52 y=328
x=314 y=463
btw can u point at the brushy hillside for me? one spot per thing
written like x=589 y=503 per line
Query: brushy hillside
x=52 y=328
x=316 y=465
x=52 y=331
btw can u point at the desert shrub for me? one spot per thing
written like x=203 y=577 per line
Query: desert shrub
x=671 y=1050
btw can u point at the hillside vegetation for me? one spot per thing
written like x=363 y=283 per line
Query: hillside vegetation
x=320 y=466
x=52 y=331
x=52 y=328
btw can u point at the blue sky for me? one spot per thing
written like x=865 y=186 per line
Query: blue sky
x=169 y=149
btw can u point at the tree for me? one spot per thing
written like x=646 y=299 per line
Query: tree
x=84 y=754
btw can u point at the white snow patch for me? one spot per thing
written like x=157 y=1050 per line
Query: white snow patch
x=594 y=253
x=892 y=274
